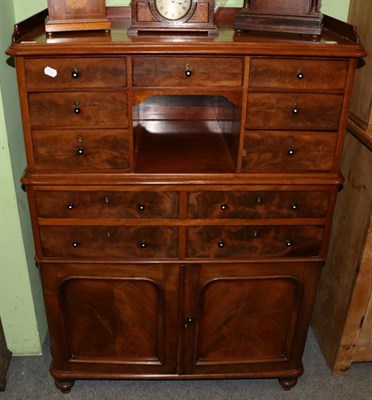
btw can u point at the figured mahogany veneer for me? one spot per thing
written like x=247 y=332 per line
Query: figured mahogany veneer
x=181 y=191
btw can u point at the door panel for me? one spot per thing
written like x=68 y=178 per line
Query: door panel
x=242 y=318
x=113 y=318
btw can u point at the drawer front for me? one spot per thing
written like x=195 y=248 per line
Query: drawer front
x=106 y=204
x=288 y=151
x=109 y=242
x=293 y=111
x=53 y=73
x=253 y=241
x=298 y=74
x=258 y=204
x=77 y=150
x=78 y=109
x=187 y=72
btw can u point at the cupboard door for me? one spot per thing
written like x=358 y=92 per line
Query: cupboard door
x=247 y=319
x=112 y=318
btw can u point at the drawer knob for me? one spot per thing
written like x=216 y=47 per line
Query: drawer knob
x=70 y=206
x=291 y=152
x=77 y=109
x=224 y=207
x=260 y=199
x=80 y=151
x=75 y=72
x=288 y=243
x=295 y=109
x=221 y=244
x=188 y=71
x=141 y=207
x=143 y=245
x=75 y=244
x=294 y=206
x=300 y=74
x=188 y=321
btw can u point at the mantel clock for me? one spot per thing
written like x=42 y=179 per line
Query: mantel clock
x=173 y=16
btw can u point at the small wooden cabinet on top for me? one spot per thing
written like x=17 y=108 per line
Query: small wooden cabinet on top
x=181 y=191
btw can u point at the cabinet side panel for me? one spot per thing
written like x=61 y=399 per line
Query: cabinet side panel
x=347 y=241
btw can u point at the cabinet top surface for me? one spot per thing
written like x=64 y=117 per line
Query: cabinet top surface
x=338 y=39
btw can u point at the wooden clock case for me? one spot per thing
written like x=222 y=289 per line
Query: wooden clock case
x=76 y=15
x=199 y=19
x=292 y=16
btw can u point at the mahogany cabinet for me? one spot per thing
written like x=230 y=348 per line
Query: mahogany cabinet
x=181 y=192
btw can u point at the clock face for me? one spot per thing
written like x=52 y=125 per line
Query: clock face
x=77 y=4
x=173 y=9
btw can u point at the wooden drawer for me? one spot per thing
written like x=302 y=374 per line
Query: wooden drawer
x=53 y=73
x=172 y=72
x=298 y=74
x=106 y=204
x=77 y=150
x=258 y=204
x=78 y=109
x=253 y=241
x=109 y=242
x=288 y=151
x=306 y=111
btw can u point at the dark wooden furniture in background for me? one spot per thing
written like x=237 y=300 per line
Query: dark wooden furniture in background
x=344 y=330
x=299 y=16
x=181 y=193
x=76 y=15
x=5 y=356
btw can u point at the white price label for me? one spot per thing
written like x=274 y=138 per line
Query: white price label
x=50 y=72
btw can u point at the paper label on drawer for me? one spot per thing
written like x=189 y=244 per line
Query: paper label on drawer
x=50 y=72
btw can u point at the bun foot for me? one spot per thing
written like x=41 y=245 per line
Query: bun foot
x=64 y=386
x=287 y=383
